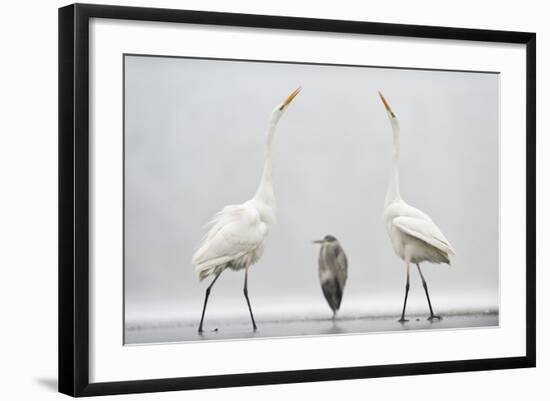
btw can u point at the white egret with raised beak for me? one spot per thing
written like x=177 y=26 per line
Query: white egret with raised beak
x=414 y=236
x=237 y=234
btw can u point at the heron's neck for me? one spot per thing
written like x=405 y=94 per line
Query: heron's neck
x=265 y=192
x=392 y=192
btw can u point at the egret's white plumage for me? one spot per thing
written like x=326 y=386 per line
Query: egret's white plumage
x=235 y=240
x=414 y=236
x=237 y=234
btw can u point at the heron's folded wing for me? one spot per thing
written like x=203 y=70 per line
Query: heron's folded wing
x=425 y=230
x=343 y=268
x=338 y=263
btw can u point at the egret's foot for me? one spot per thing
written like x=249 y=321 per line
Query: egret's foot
x=403 y=320
x=200 y=330
x=254 y=328
x=433 y=317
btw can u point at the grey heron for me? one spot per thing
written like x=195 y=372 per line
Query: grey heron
x=333 y=271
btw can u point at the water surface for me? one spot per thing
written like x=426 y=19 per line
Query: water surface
x=241 y=328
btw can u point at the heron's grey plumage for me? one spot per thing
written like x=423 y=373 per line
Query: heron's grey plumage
x=333 y=271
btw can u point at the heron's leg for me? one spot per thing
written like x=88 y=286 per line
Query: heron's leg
x=425 y=285
x=245 y=290
x=206 y=299
x=407 y=285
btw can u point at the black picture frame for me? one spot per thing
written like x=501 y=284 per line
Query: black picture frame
x=74 y=197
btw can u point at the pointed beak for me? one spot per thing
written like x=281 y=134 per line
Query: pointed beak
x=386 y=104
x=291 y=97
x=318 y=241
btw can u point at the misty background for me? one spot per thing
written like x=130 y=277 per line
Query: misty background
x=194 y=142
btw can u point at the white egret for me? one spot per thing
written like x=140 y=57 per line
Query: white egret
x=237 y=234
x=414 y=236
x=333 y=271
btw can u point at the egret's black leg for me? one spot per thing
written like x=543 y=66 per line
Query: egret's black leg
x=245 y=290
x=425 y=285
x=206 y=300
x=407 y=285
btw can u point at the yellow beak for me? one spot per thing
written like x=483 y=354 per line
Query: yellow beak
x=291 y=97
x=386 y=104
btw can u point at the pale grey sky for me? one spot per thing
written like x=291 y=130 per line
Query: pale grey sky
x=194 y=141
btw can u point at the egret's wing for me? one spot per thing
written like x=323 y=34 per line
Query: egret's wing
x=424 y=229
x=224 y=217
x=236 y=230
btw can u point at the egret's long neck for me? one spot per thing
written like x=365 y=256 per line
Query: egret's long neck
x=265 y=192
x=392 y=192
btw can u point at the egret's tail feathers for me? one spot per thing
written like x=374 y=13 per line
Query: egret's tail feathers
x=450 y=252
x=440 y=257
x=204 y=273
x=444 y=246
x=209 y=267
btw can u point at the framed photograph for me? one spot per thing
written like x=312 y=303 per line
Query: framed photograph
x=251 y=199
